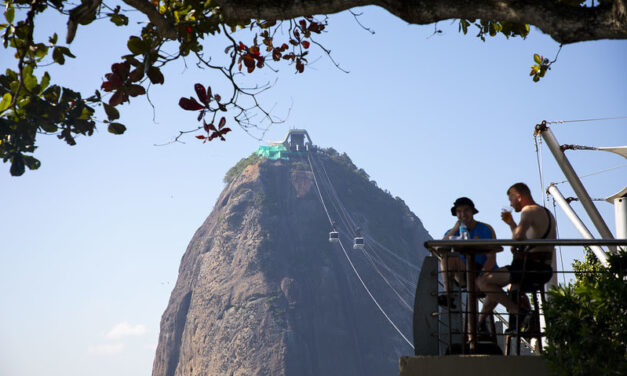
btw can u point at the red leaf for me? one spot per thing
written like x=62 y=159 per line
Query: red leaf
x=302 y=23
x=305 y=44
x=202 y=94
x=200 y=137
x=284 y=47
x=242 y=46
x=211 y=127
x=222 y=123
x=121 y=69
x=189 y=30
x=117 y=98
x=190 y=104
x=217 y=97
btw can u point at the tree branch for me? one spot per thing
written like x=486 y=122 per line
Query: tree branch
x=166 y=30
x=565 y=24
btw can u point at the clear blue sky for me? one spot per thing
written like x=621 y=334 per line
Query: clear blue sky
x=92 y=240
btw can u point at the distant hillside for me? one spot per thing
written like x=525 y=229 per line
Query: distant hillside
x=261 y=291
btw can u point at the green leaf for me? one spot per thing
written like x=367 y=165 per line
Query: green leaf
x=31 y=162
x=112 y=112
x=118 y=19
x=30 y=81
x=45 y=81
x=9 y=14
x=116 y=128
x=48 y=127
x=17 y=165
x=57 y=56
x=137 y=46
x=66 y=52
x=537 y=58
x=5 y=102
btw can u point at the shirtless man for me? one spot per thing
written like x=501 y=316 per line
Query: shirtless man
x=536 y=222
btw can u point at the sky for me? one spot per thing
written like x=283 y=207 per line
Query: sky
x=92 y=241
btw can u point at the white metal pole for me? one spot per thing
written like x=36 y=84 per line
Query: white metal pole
x=579 y=225
x=574 y=181
x=620 y=215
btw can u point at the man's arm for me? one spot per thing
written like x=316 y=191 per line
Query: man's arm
x=452 y=231
x=518 y=232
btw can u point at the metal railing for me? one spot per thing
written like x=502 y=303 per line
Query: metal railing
x=433 y=245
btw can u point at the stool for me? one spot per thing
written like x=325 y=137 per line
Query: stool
x=534 y=330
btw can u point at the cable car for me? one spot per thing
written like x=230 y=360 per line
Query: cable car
x=334 y=237
x=359 y=243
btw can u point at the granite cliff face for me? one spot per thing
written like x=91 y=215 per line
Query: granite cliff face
x=261 y=291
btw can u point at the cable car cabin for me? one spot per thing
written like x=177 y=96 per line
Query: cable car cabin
x=359 y=243
x=334 y=237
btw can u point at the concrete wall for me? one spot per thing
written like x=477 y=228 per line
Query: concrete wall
x=473 y=365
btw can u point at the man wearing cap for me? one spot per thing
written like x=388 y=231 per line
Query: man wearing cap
x=464 y=209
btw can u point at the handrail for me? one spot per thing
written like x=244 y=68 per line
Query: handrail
x=534 y=242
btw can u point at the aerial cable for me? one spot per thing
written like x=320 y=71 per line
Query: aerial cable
x=348 y=216
x=595 y=173
x=401 y=281
x=351 y=263
x=409 y=286
x=405 y=262
x=387 y=281
x=373 y=298
x=584 y=120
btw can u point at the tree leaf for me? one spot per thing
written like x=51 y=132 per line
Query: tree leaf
x=116 y=128
x=190 y=104
x=135 y=90
x=202 y=94
x=57 y=56
x=45 y=81
x=17 y=165
x=155 y=75
x=5 y=102
x=537 y=58
x=136 y=45
x=9 y=14
x=31 y=162
x=112 y=112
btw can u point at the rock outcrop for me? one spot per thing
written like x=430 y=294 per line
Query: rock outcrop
x=261 y=291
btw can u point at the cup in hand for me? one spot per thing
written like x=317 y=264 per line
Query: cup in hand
x=506 y=213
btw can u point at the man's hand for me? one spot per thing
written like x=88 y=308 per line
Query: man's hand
x=506 y=216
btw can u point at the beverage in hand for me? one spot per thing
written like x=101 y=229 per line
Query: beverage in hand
x=506 y=214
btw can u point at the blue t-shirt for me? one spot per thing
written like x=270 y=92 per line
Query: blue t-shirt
x=480 y=231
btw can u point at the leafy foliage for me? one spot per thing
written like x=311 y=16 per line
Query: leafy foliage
x=31 y=104
x=588 y=320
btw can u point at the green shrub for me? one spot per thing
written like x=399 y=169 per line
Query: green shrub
x=588 y=320
x=240 y=166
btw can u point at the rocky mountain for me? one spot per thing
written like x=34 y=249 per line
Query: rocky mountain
x=261 y=290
